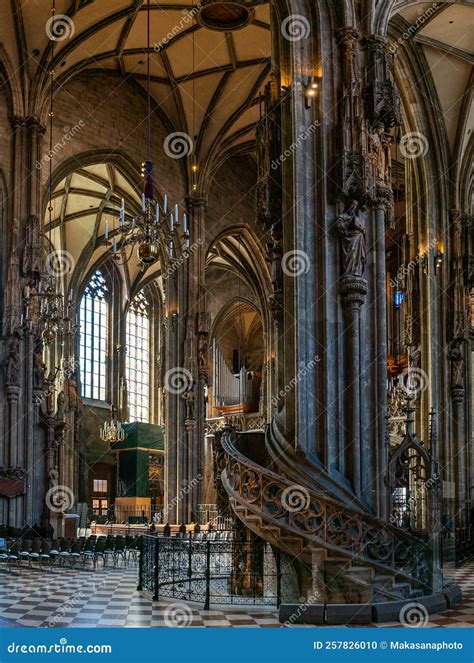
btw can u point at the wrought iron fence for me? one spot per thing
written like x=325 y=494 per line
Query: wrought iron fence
x=210 y=514
x=229 y=572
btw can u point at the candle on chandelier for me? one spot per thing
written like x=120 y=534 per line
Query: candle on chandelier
x=122 y=213
x=157 y=214
x=185 y=223
x=106 y=230
x=176 y=214
x=165 y=204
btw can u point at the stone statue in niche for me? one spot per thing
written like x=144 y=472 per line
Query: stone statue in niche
x=39 y=367
x=61 y=406
x=13 y=362
x=351 y=228
x=72 y=396
x=202 y=352
x=456 y=357
x=32 y=303
x=188 y=397
x=275 y=254
x=380 y=149
x=53 y=477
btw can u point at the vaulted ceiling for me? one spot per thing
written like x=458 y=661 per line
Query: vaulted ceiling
x=82 y=204
x=206 y=81
x=444 y=33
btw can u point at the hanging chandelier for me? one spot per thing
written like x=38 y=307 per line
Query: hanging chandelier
x=44 y=303
x=156 y=224
x=112 y=431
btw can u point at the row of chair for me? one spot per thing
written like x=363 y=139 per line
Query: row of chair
x=69 y=551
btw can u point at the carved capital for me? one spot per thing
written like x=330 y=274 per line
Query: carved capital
x=381 y=198
x=375 y=43
x=353 y=290
x=195 y=202
x=275 y=302
x=457 y=394
x=347 y=36
x=13 y=393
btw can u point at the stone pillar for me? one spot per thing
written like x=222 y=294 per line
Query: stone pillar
x=377 y=439
x=353 y=290
x=196 y=360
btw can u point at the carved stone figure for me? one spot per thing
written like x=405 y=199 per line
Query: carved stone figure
x=275 y=254
x=351 y=229
x=60 y=406
x=32 y=303
x=33 y=255
x=53 y=477
x=39 y=367
x=380 y=149
x=12 y=316
x=202 y=351
x=188 y=397
x=457 y=365
x=13 y=362
x=72 y=397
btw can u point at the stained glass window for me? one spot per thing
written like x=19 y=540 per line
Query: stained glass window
x=94 y=321
x=138 y=358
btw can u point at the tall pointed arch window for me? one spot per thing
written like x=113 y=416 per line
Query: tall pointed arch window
x=94 y=321
x=137 y=363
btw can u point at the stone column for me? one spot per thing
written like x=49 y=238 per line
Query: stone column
x=197 y=351
x=353 y=290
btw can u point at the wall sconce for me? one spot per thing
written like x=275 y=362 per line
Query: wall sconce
x=310 y=89
x=438 y=261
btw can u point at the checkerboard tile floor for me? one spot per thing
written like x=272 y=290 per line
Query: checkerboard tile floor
x=108 y=598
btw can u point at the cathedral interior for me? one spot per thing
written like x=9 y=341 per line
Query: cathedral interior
x=237 y=304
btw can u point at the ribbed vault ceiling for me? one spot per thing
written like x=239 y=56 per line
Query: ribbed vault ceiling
x=444 y=32
x=83 y=202
x=206 y=82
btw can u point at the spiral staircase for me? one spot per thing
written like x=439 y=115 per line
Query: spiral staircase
x=340 y=552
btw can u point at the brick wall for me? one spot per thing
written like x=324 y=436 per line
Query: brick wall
x=113 y=113
x=231 y=198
